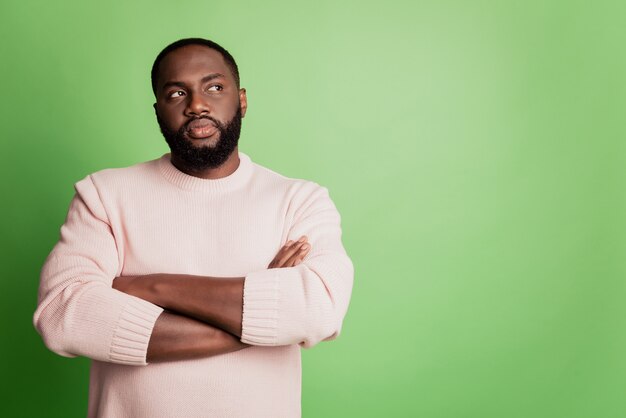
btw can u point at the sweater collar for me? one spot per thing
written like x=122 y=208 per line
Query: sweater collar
x=231 y=182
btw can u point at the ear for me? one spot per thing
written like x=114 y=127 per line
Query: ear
x=156 y=112
x=243 y=102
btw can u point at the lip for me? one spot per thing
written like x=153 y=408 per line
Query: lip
x=201 y=128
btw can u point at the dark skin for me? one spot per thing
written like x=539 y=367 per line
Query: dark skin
x=194 y=80
x=178 y=337
x=202 y=315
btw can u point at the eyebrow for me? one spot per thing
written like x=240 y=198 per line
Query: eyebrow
x=205 y=79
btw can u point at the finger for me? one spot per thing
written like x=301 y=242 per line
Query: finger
x=297 y=261
x=289 y=253
x=280 y=253
x=301 y=255
x=298 y=256
x=281 y=256
x=286 y=252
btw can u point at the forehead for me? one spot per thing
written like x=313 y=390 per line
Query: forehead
x=191 y=63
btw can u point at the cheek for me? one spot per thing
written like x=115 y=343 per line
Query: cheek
x=170 y=118
x=223 y=103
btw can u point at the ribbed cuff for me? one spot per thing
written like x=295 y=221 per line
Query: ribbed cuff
x=260 y=308
x=132 y=335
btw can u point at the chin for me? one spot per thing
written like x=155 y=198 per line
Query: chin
x=203 y=142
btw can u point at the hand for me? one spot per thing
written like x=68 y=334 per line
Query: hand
x=291 y=254
x=123 y=283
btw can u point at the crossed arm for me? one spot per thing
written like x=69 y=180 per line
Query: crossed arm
x=166 y=317
x=202 y=315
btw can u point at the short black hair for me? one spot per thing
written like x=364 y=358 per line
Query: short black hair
x=230 y=61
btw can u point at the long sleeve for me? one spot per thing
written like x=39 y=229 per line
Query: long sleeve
x=78 y=312
x=305 y=304
x=152 y=218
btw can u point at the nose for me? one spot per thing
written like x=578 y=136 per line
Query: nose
x=197 y=105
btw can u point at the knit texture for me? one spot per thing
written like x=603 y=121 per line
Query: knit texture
x=152 y=218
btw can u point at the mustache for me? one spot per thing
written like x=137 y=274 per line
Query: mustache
x=185 y=127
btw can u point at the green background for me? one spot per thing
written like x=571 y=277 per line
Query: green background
x=475 y=150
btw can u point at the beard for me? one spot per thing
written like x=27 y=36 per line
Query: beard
x=198 y=158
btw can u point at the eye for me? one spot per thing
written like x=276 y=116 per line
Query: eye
x=215 y=87
x=177 y=93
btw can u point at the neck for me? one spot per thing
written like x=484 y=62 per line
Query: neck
x=226 y=169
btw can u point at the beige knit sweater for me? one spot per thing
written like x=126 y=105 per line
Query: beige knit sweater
x=152 y=218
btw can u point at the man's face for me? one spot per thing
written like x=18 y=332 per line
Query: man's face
x=198 y=106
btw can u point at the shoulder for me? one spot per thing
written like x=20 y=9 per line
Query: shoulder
x=116 y=178
x=292 y=188
x=125 y=174
x=116 y=184
x=300 y=195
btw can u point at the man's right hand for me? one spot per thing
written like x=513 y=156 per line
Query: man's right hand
x=291 y=254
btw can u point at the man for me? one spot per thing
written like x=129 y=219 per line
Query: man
x=193 y=280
